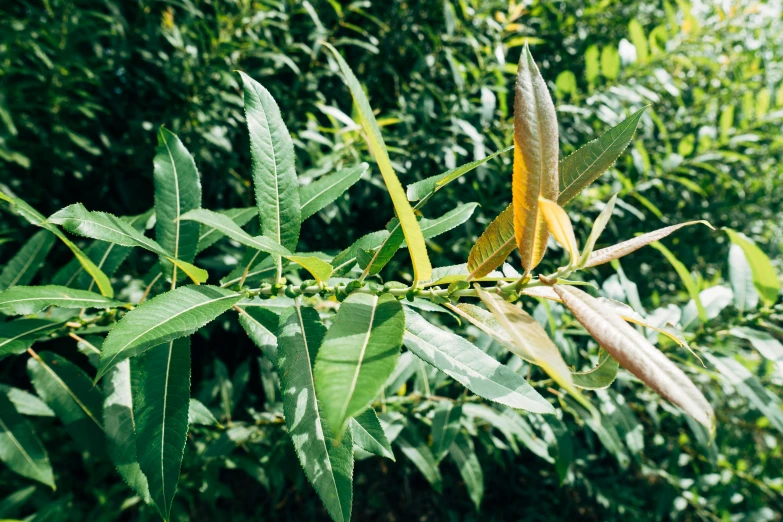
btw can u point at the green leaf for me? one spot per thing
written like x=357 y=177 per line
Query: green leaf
x=120 y=426
x=769 y=347
x=20 y=269
x=68 y=391
x=25 y=402
x=19 y=335
x=327 y=464
x=686 y=277
x=429 y=186
x=464 y=457
x=741 y=278
x=415 y=448
x=639 y=40
x=346 y=259
x=494 y=245
x=274 y=173
x=177 y=190
x=357 y=356
x=13 y=502
x=486 y=322
x=600 y=377
x=536 y=152
x=20 y=448
x=471 y=367
x=28 y=300
x=764 y=277
x=161 y=396
x=209 y=235
x=598 y=228
x=325 y=190
x=635 y=353
x=259 y=323
x=453 y=218
x=583 y=166
x=198 y=414
x=445 y=426
x=226 y=226
x=166 y=317
x=368 y=434
x=422 y=269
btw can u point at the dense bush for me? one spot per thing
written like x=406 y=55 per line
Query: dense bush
x=87 y=85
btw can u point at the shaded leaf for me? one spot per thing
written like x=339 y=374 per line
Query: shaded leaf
x=368 y=434
x=445 y=426
x=20 y=269
x=28 y=300
x=325 y=190
x=20 y=448
x=415 y=448
x=198 y=414
x=686 y=277
x=26 y=403
x=19 y=335
x=464 y=457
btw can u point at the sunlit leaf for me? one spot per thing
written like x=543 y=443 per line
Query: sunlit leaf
x=600 y=377
x=741 y=278
x=764 y=277
x=598 y=227
x=559 y=225
x=28 y=300
x=494 y=245
x=686 y=277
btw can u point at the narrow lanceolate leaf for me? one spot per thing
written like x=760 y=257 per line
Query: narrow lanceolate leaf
x=582 y=167
x=177 y=190
x=25 y=402
x=598 y=227
x=368 y=434
x=486 y=322
x=415 y=448
x=27 y=300
x=20 y=448
x=357 y=356
x=765 y=278
x=634 y=353
x=686 y=277
x=535 y=159
x=200 y=415
x=346 y=259
x=161 y=397
x=741 y=278
x=327 y=464
x=471 y=367
x=464 y=457
x=274 y=174
x=531 y=341
x=19 y=335
x=559 y=224
x=36 y=218
x=68 y=391
x=226 y=226
x=494 y=245
x=169 y=316
x=422 y=269
x=259 y=323
x=318 y=268
x=21 y=268
x=325 y=190
x=445 y=426
x=600 y=377
x=209 y=235
x=604 y=255
x=427 y=187
x=120 y=426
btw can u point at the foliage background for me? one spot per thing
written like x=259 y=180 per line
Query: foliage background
x=85 y=84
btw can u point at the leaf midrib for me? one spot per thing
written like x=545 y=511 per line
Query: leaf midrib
x=363 y=350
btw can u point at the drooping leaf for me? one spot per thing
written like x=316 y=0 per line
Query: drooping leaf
x=600 y=377
x=274 y=172
x=619 y=250
x=634 y=353
x=19 y=335
x=209 y=235
x=327 y=464
x=175 y=314
x=259 y=323
x=161 y=398
x=177 y=190
x=318 y=268
x=767 y=345
x=471 y=367
x=686 y=277
x=119 y=424
x=198 y=414
x=20 y=269
x=559 y=225
x=226 y=226
x=464 y=457
x=598 y=227
x=357 y=356
x=20 y=448
x=422 y=269
x=429 y=186
x=535 y=159
x=368 y=434
x=583 y=166
x=25 y=402
x=415 y=448
x=746 y=297
x=325 y=190
x=69 y=392
x=28 y=300
x=494 y=245
x=764 y=277
x=487 y=323
x=15 y=501
x=445 y=426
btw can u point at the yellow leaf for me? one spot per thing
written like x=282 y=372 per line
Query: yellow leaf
x=321 y=270
x=196 y=274
x=560 y=225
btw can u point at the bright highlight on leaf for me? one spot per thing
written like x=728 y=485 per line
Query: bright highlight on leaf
x=559 y=225
x=765 y=278
x=494 y=245
x=28 y=300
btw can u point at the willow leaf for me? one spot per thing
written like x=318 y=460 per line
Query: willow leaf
x=422 y=269
x=161 y=398
x=686 y=277
x=746 y=297
x=28 y=300
x=209 y=235
x=20 y=448
x=600 y=377
x=318 y=268
x=765 y=278
x=274 y=173
x=583 y=166
x=166 y=317
x=471 y=367
x=25 y=402
x=198 y=414
x=177 y=190
x=346 y=259
x=494 y=245
x=535 y=159
x=120 y=426
x=226 y=226
x=325 y=190
x=598 y=228
x=619 y=250
x=68 y=391
x=20 y=269
x=559 y=224
x=415 y=448
x=634 y=353
x=259 y=323
x=463 y=454
x=327 y=464
x=487 y=323
x=18 y=335
x=368 y=434
x=357 y=356
x=445 y=426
